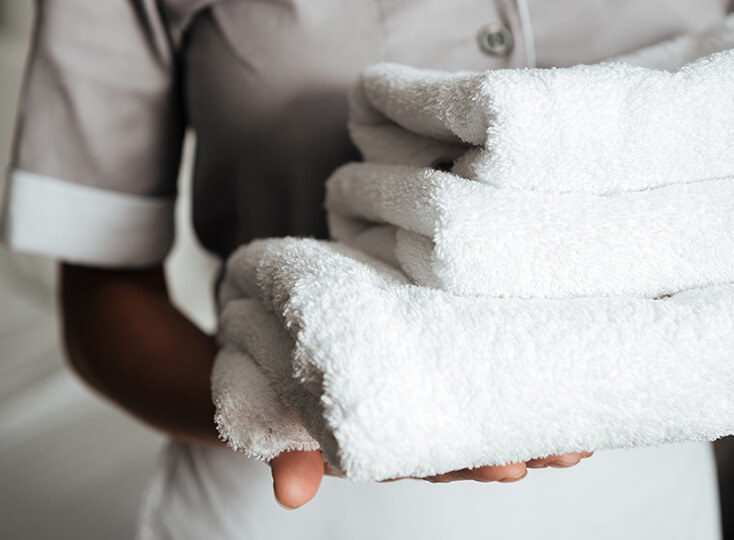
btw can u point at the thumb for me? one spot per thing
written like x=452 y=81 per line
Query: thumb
x=296 y=477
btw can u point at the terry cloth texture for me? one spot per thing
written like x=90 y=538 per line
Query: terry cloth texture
x=595 y=128
x=590 y=247
x=473 y=239
x=392 y=379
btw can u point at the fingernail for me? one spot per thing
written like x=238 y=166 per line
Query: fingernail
x=515 y=478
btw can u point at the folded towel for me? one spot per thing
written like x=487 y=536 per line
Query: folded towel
x=396 y=380
x=249 y=414
x=600 y=129
x=473 y=239
x=325 y=346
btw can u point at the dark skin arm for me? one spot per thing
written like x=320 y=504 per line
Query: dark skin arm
x=126 y=339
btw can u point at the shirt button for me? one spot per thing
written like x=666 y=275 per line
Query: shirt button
x=495 y=39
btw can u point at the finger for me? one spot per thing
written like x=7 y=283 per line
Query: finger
x=559 y=461
x=445 y=478
x=566 y=460
x=296 y=477
x=511 y=472
x=388 y=480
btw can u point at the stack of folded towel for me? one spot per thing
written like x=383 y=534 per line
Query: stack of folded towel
x=529 y=262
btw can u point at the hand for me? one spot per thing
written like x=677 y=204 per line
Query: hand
x=297 y=475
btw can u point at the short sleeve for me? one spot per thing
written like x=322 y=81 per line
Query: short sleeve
x=98 y=139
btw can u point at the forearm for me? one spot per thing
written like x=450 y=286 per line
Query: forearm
x=125 y=338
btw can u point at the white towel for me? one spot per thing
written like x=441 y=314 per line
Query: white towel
x=323 y=346
x=600 y=129
x=473 y=239
x=396 y=380
x=249 y=414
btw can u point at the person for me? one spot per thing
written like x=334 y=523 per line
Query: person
x=111 y=88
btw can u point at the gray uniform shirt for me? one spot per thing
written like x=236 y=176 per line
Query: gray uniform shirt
x=112 y=85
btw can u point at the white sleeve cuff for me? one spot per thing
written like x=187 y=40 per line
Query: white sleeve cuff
x=85 y=225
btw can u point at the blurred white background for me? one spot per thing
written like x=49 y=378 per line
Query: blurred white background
x=71 y=465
